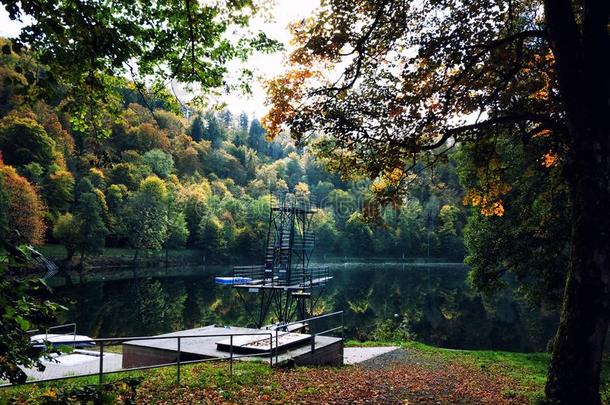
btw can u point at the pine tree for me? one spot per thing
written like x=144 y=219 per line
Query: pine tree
x=197 y=129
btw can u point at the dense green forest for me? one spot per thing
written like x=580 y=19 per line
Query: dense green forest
x=160 y=180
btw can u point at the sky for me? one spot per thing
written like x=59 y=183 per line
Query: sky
x=265 y=66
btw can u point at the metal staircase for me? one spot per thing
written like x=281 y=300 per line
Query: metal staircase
x=286 y=282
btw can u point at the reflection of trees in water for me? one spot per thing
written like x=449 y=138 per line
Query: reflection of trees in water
x=159 y=308
x=128 y=307
x=433 y=305
x=436 y=306
x=209 y=303
x=85 y=307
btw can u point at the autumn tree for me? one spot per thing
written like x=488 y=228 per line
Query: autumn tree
x=211 y=238
x=58 y=189
x=88 y=220
x=66 y=231
x=169 y=122
x=194 y=199
x=177 y=230
x=392 y=85
x=146 y=216
x=24 y=141
x=531 y=237
x=82 y=54
x=116 y=199
x=24 y=208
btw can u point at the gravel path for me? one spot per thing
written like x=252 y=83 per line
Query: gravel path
x=398 y=356
x=355 y=355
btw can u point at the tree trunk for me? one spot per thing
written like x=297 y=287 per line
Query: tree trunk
x=581 y=47
x=69 y=255
x=574 y=374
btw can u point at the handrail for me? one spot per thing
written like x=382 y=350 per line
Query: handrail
x=124 y=339
x=313 y=335
x=179 y=339
x=46 y=332
x=313 y=318
x=177 y=363
x=54 y=327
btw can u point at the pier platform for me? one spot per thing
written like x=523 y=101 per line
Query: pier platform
x=294 y=348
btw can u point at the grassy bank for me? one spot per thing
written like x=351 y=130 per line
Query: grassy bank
x=463 y=376
x=126 y=255
x=58 y=251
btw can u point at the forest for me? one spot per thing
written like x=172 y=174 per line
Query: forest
x=162 y=181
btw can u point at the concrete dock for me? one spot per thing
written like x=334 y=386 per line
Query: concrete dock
x=77 y=363
x=138 y=353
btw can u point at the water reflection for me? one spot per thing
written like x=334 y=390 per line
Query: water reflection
x=428 y=302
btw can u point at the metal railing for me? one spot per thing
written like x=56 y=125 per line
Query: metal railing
x=47 y=330
x=258 y=276
x=273 y=350
x=307 y=322
x=178 y=363
x=291 y=201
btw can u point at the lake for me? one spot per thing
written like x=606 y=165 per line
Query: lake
x=428 y=302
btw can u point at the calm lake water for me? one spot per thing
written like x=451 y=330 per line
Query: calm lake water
x=427 y=302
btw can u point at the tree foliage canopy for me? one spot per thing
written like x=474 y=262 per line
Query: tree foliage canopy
x=89 y=46
x=392 y=84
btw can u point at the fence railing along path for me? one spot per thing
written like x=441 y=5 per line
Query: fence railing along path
x=272 y=354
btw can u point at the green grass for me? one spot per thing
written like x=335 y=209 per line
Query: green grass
x=370 y=343
x=52 y=250
x=193 y=376
x=31 y=392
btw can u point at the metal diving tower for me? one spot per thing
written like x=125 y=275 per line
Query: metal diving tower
x=285 y=288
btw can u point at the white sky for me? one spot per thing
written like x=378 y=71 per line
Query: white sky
x=265 y=66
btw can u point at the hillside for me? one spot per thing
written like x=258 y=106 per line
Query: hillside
x=154 y=179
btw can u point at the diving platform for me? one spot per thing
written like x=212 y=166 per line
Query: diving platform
x=262 y=343
x=259 y=277
x=284 y=287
